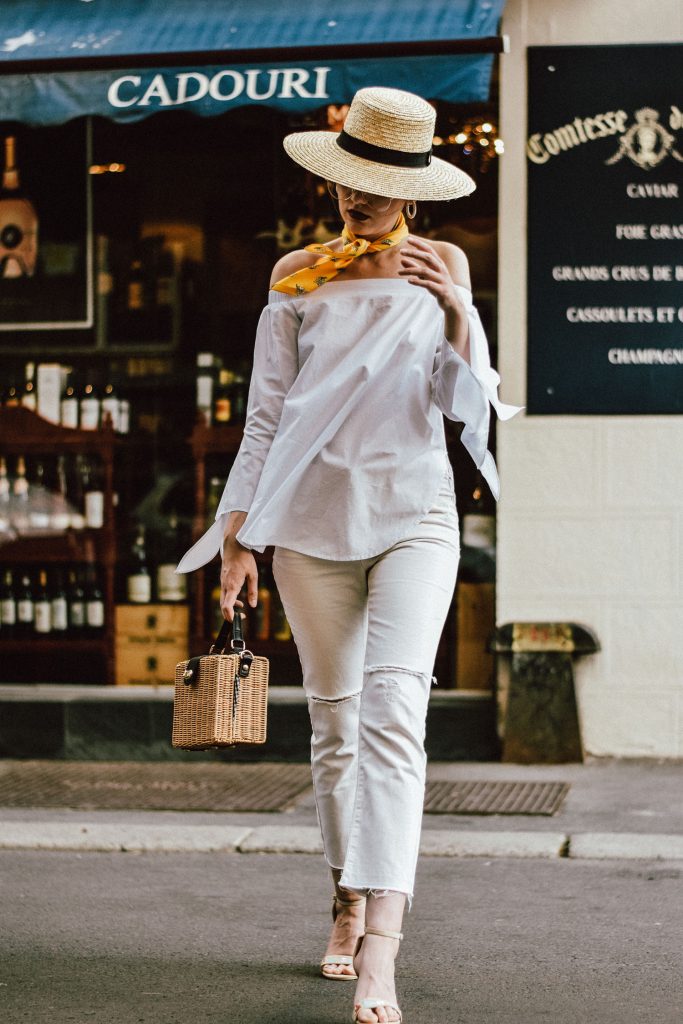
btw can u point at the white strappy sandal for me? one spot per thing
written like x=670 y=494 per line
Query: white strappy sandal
x=371 y=1002
x=337 y=959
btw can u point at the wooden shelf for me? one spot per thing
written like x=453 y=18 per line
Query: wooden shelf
x=66 y=548
x=23 y=431
x=216 y=440
x=34 y=643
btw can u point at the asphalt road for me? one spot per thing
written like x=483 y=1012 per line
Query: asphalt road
x=165 y=938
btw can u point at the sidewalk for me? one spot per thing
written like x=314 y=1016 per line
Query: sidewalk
x=614 y=809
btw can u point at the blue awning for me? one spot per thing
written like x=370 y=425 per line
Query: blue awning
x=127 y=59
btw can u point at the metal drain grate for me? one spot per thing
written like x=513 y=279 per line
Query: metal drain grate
x=494 y=797
x=97 y=785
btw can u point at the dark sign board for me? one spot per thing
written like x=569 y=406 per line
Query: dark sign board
x=605 y=229
x=46 y=278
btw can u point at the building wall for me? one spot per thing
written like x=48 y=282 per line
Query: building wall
x=590 y=523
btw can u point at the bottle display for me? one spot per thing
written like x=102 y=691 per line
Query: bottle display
x=58 y=539
x=38 y=602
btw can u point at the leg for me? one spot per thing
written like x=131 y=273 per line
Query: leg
x=410 y=590
x=325 y=603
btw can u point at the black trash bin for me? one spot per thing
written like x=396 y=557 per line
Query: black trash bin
x=538 y=721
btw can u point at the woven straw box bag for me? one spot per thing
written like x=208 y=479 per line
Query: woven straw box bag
x=221 y=699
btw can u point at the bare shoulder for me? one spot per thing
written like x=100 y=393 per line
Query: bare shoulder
x=291 y=262
x=455 y=259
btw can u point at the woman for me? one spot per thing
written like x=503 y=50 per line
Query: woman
x=362 y=348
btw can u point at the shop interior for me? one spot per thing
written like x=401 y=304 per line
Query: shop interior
x=179 y=221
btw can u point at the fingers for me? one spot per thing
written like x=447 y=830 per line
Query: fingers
x=252 y=586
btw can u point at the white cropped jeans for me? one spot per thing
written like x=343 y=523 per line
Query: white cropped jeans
x=367 y=632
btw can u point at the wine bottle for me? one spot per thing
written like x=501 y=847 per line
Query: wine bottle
x=20 y=497
x=25 y=606
x=478 y=554
x=93 y=495
x=59 y=606
x=89 y=406
x=124 y=414
x=76 y=603
x=222 y=406
x=8 y=605
x=68 y=406
x=29 y=398
x=280 y=629
x=39 y=506
x=76 y=495
x=42 y=607
x=60 y=516
x=138 y=580
x=135 y=295
x=94 y=602
x=18 y=220
x=171 y=586
x=205 y=386
x=5 y=499
x=12 y=397
x=110 y=405
x=262 y=612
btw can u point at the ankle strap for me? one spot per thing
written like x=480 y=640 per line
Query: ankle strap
x=380 y=931
x=347 y=903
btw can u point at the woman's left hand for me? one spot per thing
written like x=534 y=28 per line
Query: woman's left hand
x=422 y=265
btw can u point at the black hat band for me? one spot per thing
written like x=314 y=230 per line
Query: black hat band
x=381 y=155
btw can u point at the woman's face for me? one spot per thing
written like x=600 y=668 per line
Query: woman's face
x=367 y=214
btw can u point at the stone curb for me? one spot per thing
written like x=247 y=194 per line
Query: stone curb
x=108 y=837
x=492 y=844
x=103 y=837
x=626 y=846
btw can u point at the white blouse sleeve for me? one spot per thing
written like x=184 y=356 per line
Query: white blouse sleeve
x=463 y=392
x=275 y=370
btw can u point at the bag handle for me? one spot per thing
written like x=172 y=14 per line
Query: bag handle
x=237 y=641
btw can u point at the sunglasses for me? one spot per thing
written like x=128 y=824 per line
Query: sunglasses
x=380 y=204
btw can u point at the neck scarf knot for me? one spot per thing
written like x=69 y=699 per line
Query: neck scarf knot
x=332 y=261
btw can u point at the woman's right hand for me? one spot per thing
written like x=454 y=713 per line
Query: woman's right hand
x=238 y=565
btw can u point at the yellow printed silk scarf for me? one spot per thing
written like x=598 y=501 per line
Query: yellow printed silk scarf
x=324 y=269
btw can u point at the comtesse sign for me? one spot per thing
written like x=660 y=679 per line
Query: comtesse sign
x=605 y=307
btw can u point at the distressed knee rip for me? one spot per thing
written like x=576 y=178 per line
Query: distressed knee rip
x=390 y=685
x=333 y=704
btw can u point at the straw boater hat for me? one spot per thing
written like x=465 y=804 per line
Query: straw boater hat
x=385 y=148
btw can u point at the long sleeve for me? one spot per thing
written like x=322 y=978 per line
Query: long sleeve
x=274 y=371
x=464 y=391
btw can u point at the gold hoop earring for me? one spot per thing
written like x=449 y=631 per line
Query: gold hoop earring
x=411 y=209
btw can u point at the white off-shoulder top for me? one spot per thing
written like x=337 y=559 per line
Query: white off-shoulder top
x=344 y=447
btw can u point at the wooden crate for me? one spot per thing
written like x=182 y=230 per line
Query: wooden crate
x=476 y=613
x=150 y=641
